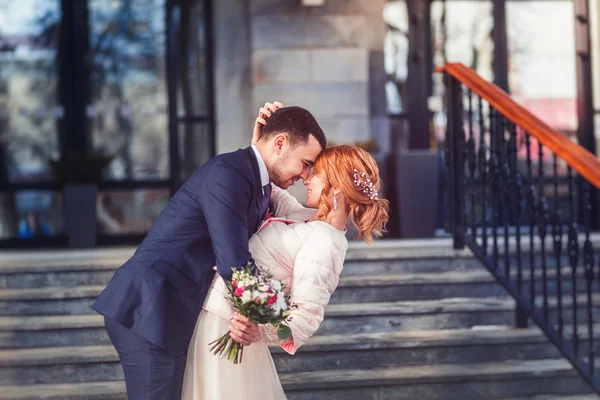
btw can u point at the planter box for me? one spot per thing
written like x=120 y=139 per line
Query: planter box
x=413 y=188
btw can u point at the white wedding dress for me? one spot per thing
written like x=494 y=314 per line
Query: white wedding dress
x=308 y=258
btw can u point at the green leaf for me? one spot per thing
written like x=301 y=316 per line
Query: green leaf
x=284 y=331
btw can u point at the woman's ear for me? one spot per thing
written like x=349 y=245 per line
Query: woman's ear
x=335 y=191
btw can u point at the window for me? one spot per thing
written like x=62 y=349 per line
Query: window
x=129 y=211
x=595 y=45
x=127 y=108
x=29 y=108
x=395 y=15
x=541 y=60
x=31 y=214
x=194 y=89
x=137 y=85
x=461 y=32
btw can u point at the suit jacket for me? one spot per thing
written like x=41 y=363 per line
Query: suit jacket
x=158 y=293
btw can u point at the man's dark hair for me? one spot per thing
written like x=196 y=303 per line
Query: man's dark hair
x=297 y=122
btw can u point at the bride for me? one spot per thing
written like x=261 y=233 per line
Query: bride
x=305 y=249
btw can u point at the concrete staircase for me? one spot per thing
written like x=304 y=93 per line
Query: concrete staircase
x=410 y=320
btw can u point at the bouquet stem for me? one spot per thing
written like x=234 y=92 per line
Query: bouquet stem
x=225 y=346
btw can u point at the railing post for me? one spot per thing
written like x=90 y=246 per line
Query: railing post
x=455 y=142
x=521 y=317
x=497 y=158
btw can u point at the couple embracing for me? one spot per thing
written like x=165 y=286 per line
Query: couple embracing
x=165 y=305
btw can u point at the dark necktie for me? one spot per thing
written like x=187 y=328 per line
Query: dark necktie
x=266 y=199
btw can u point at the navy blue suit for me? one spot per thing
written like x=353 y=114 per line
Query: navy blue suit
x=153 y=301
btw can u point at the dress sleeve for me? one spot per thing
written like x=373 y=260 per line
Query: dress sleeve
x=317 y=269
x=286 y=206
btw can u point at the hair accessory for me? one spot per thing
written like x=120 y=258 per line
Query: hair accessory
x=361 y=180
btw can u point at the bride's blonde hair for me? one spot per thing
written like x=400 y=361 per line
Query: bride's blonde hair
x=354 y=172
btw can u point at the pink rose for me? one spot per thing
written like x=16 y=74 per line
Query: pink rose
x=239 y=291
x=268 y=216
x=272 y=299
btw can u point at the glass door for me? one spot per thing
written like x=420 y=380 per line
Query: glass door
x=542 y=73
x=595 y=45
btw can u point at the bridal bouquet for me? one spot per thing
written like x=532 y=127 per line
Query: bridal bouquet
x=257 y=296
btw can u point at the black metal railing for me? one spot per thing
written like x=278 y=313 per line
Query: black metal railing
x=528 y=216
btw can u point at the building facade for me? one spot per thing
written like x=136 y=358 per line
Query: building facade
x=163 y=85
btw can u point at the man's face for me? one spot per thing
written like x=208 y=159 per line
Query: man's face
x=294 y=162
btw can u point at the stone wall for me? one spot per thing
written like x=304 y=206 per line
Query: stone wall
x=320 y=58
x=328 y=59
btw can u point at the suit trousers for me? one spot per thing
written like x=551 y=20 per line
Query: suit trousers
x=150 y=372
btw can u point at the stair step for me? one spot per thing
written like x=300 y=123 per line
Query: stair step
x=351 y=289
x=366 y=351
x=57 y=356
x=451 y=381
x=98 y=272
x=54 y=322
x=458 y=304
x=92 y=259
x=355 y=318
x=93 y=267
x=423 y=252
x=110 y=390
x=51 y=293
x=450 y=313
x=79 y=275
x=481 y=336
x=32 y=261
x=436 y=373
x=565 y=397
x=431 y=286
x=72 y=268
x=50 y=331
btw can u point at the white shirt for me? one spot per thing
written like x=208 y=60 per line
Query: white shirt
x=262 y=167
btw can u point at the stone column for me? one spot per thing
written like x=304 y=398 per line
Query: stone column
x=233 y=85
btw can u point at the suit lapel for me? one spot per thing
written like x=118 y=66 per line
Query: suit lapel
x=257 y=184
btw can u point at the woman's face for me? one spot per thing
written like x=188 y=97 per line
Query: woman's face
x=314 y=187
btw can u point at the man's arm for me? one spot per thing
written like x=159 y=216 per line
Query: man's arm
x=286 y=206
x=226 y=195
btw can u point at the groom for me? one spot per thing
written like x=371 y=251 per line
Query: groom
x=153 y=301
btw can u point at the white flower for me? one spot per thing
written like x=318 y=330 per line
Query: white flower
x=276 y=308
x=258 y=295
x=276 y=285
x=248 y=282
x=246 y=296
x=281 y=301
x=262 y=287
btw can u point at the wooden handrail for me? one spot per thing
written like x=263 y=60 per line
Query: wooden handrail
x=578 y=158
